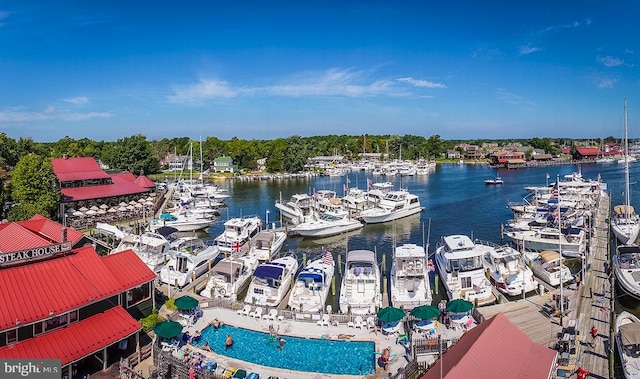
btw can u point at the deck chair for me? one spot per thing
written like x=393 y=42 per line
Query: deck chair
x=271 y=315
x=240 y=374
x=244 y=311
x=324 y=321
x=257 y=313
x=358 y=322
x=371 y=324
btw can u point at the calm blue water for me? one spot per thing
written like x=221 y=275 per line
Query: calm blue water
x=455 y=198
x=300 y=354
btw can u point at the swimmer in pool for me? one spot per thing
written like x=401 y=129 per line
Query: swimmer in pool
x=229 y=341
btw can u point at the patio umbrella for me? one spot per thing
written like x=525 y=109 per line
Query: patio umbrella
x=90 y=212
x=138 y=205
x=83 y=209
x=78 y=213
x=122 y=209
x=186 y=302
x=142 y=200
x=390 y=314
x=104 y=206
x=168 y=329
x=132 y=202
x=122 y=204
x=112 y=210
x=425 y=312
x=101 y=211
x=71 y=210
x=459 y=306
x=94 y=208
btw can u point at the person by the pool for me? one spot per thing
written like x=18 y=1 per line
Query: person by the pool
x=216 y=323
x=229 y=342
x=281 y=343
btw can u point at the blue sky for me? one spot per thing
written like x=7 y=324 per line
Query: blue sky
x=461 y=69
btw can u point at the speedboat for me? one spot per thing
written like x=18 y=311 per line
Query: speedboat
x=394 y=205
x=267 y=244
x=459 y=262
x=182 y=222
x=329 y=224
x=548 y=266
x=271 y=282
x=625 y=224
x=410 y=277
x=237 y=232
x=230 y=276
x=571 y=241
x=192 y=258
x=627 y=268
x=496 y=180
x=628 y=340
x=312 y=285
x=154 y=249
x=507 y=271
x=360 y=289
x=298 y=209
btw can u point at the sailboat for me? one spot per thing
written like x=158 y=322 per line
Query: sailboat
x=625 y=223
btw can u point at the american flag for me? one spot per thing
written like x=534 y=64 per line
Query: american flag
x=327 y=257
x=369 y=184
x=348 y=180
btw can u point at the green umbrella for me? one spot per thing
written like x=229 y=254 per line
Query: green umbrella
x=168 y=329
x=390 y=314
x=425 y=312
x=186 y=303
x=459 y=306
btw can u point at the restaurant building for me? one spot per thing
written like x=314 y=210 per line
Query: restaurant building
x=61 y=300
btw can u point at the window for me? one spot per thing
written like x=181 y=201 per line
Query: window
x=37 y=328
x=138 y=294
x=56 y=322
x=465 y=282
x=73 y=316
x=12 y=336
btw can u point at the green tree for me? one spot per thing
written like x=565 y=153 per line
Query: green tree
x=295 y=155
x=34 y=188
x=133 y=154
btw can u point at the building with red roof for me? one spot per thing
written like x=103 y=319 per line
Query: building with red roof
x=508 y=158
x=497 y=349
x=61 y=301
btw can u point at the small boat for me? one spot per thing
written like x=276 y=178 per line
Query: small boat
x=267 y=244
x=271 y=282
x=628 y=340
x=548 y=266
x=230 y=276
x=299 y=207
x=627 y=268
x=153 y=248
x=508 y=272
x=182 y=222
x=237 y=232
x=410 y=277
x=360 y=289
x=571 y=241
x=312 y=285
x=394 y=205
x=329 y=224
x=496 y=180
x=191 y=259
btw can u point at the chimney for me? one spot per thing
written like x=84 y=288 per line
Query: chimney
x=65 y=156
x=64 y=234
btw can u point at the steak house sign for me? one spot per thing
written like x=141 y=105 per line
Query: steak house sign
x=34 y=254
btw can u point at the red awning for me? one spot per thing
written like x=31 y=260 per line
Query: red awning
x=77 y=340
x=98 y=192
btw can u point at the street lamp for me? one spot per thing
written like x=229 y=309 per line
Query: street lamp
x=266 y=217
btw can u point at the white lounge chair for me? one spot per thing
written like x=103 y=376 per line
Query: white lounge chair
x=257 y=313
x=271 y=315
x=324 y=321
x=371 y=325
x=244 y=311
x=358 y=322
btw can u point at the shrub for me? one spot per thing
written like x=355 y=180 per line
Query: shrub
x=150 y=321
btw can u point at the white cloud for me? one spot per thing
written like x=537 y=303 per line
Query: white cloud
x=528 y=49
x=610 y=61
x=17 y=115
x=512 y=98
x=49 y=113
x=203 y=90
x=79 y=100
x=421 y=83
x=85 y=116
x=606 y=83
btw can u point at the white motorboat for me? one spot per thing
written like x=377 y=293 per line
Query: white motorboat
x=271 y=282
x=299 y=208
x=626 y=262
x=459 y=261
x=192 y=258
x=508 y=272
x=329 y=224
x=182 y=222
x=548 y=266
x=410 y=277
x=230 y=276
x=237 y=232
x=572 y=242
x=628 y=340
x=394 y=205
x=360 y=289
x=496 y=180
x=267 y=244
x=154 y=249
x=312 y=285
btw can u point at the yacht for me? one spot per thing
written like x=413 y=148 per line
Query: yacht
x=628 y=341
x=271 y=282
x=329 y=224
x=312 y=285
x=237 y=232
x=182 y=222
x=360 y=289
x=548 y=266
x=267 y=244
x=625 y=224
x=508 y=272
x=627 y=268
x=496 y=180
x=230 y=276
x=572 y=241
x=410 y=277
x=154 y=249
x=394 y=205
x=191 y=258
x=298 y=209
x=459 y=262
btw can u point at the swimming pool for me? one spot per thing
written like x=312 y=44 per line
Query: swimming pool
x=300 y=354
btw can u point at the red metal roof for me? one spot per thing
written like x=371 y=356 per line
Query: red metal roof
x=497 y=349
x=82 y=168
x=51 y=229
x=98 y=192
x=15 y=237
x=77 y=340
x=31 y=292
x=145 y=182
x=129 y=177
x=589 y=151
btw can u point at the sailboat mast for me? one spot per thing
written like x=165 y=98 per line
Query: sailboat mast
x=627 y=196
x=560 y=250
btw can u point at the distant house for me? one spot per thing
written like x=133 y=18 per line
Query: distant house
x=179 y=162
x=507 y=158
x=262 y=164
x=471 y=151
x=224 y=164
x=453 y=154
x=587 y=153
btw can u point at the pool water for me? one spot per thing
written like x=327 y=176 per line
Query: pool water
x=300 y=354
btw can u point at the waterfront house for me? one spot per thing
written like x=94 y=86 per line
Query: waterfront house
x=508 y=158
x=224 y=164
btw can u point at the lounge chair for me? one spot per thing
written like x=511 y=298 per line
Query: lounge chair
x=244 y=311
x=371 y=324
x=358 y=322
x=273 y=313
x=240 y=374
x=325 y=321
x=257 y=313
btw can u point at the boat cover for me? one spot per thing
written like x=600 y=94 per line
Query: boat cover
x=166 y=230
x=269 y=271
x=630 y=333
x=228 y=268
x=312 y=274
x=620 y=210
x=361 y=255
